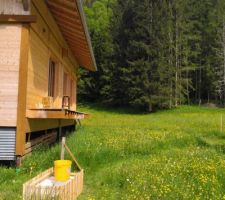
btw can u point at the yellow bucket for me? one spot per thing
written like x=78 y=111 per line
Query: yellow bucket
x=62 y=170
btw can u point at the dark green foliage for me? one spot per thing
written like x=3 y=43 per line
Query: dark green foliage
x=156 y=54
x=95 y=86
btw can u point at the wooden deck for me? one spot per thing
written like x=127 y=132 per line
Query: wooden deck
x=54 y=113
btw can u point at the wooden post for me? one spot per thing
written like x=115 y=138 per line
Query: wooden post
x=63 y=148
x=60 y=130
x=22 y=92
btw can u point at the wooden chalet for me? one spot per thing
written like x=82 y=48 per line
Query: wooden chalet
x=42 y=45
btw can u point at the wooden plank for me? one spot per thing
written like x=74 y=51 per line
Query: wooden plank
x=38 y=178
x=69 y=191
x=17 y=18
x=45 y=138
x=67 y=4
x=82 y=57
x=73 y=157
x=74 y=34
x=22 y=92
x=41 y=124
x=67 y=20
x=40 y=114
x=71 y=28
x=59 y=16
x=63 y=8
x=82 y=49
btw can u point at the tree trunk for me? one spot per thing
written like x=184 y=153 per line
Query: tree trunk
x=170 y=61
x=200 y=86
x=187 y=87
x=176 y=62
x=150 y=107
x=223 y=84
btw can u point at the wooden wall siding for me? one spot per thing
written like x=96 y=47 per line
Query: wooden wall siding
x=39 y=6
x=72 y=94
x=44 y=44
x=75 y=94
x=12 y=7
x=58 y=90
x=38 y=61
x=10 y=37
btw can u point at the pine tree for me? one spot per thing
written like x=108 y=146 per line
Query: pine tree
x=154 y=54
x=96 y=86
x=218 y=24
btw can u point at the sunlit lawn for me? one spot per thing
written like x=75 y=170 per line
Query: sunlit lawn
x=138 y=156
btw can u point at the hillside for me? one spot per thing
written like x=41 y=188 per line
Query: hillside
x=126 y=155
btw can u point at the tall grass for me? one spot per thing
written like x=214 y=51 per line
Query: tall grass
x=137 y=156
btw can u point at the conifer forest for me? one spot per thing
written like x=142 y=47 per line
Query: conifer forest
x=156 y=54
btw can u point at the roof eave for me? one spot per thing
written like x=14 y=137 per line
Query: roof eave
x=83 y=20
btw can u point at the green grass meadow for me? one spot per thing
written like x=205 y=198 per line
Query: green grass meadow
x=175 y=154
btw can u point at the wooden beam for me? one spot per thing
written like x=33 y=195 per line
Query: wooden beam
x=25 y=5
x=18 y=18
x=34 y=125
x=79 y=47
x=66 y=4
x=42 y=114
x=70 y=4
x=72 y=29
x=22 y=92
x=74 y=40
x=63 y=8
x=64 y=17
x=70 y=23
x=83 y=54
x=73 y=34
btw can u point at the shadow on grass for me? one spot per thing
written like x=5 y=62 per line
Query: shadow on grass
x=137 y=111
x=111 y=109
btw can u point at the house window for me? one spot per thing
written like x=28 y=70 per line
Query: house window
x=51 y=79
x=72 y=92
x=65 y=84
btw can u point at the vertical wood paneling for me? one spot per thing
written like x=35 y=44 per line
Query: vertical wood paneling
x=10 y=37
x=37 y=71
x=43 y=46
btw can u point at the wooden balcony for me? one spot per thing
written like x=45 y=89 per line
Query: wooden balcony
x=54 y=113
